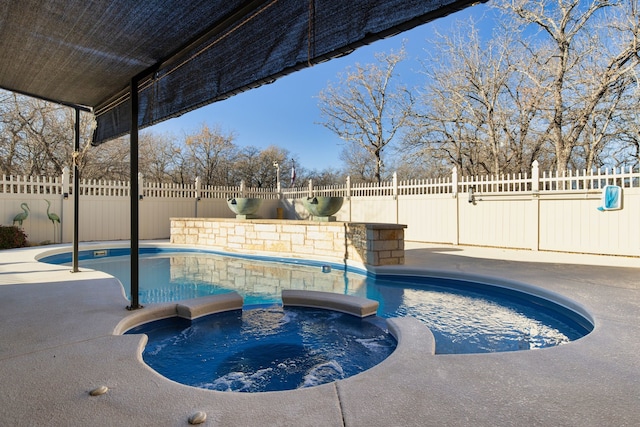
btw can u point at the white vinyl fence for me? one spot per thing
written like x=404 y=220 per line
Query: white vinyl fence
x=540 y=211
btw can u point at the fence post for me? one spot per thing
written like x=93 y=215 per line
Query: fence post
x=349 y=196
x=454 y=181
x=310 y=188
x=197 y=195
x=454 y=195
x=395 y=196
x=348 y=187
x=533 y=233
x=140 y=186
x=395 y=186
x=535 y=177
x=198 y=186
x=66 y=179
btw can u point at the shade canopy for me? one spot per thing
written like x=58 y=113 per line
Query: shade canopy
x=183 y=54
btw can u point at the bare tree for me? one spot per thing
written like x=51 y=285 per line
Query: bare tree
x=328 y=176
x=589 y=51
x=11 y=135
x=359 y=163
x=160 y=157
x=479 y=108
x=626 y=129
x=211 y=154
x=108 y=161
x=37 y=137
x=247 y=166
x=555 y=83
x=257 y=168
x=367 y=108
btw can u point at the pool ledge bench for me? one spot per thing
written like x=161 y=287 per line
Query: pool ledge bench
x=198 y=307
x=350 y=304
x=188 y=309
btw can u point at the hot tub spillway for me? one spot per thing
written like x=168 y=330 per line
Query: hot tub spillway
x=312 y=339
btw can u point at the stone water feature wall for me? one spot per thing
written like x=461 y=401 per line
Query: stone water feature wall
x=360 y=243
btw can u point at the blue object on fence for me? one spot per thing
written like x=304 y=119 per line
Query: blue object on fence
x=611 y=198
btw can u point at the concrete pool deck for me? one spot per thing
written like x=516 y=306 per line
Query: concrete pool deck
x=57 y=344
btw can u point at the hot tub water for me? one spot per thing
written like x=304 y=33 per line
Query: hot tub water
x=266 y=348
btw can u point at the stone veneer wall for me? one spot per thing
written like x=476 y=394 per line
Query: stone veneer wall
x=366 y=243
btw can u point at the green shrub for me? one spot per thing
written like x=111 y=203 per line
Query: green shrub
x=12 y=237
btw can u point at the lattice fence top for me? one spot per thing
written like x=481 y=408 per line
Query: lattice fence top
x=30 y=185
x=536 y=182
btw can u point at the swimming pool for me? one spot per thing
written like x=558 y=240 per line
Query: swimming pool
x=464 y=316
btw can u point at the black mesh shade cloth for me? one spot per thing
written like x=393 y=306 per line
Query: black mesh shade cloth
x=184 y=54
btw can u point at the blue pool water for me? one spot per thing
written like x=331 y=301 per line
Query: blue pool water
x=265 y=349
x=465 y=317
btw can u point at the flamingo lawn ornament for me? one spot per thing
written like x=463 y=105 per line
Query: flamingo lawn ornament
x=22 y=215
x=53 y=218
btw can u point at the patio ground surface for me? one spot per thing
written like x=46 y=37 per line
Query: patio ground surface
x=57 y=344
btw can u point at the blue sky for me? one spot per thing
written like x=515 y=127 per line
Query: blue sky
x=286 y=114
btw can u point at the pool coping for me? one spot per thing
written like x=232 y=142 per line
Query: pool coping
x=58 y=345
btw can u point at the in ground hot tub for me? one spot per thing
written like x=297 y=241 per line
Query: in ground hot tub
x=269 y=348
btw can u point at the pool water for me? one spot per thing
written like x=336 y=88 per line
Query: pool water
x=265 y=349
x=465 y=317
